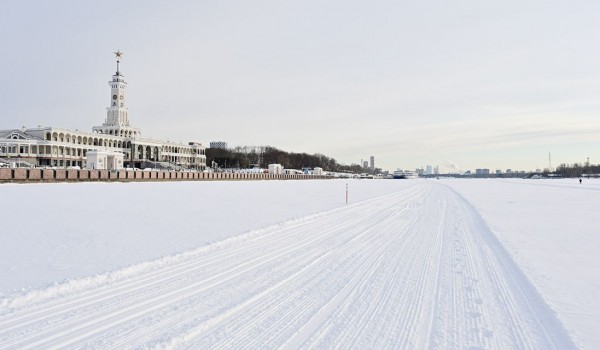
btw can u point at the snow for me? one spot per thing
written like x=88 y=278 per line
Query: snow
x=438 y=264
x=551 y=228
x=53 y=232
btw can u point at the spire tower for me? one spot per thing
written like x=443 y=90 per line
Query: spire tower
x=117 y=119
x=118 y=55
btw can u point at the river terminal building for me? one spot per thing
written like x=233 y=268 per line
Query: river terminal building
x=115 y=138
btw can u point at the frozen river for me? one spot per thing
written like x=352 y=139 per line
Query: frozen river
x=449 y=264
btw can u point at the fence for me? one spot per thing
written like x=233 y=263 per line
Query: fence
x=74 y=175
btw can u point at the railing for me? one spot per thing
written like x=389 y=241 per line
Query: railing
x=123 y=175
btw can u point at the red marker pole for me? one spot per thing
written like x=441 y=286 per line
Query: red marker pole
x=346 y=193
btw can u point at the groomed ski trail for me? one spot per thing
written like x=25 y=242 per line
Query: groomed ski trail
x=415 y=269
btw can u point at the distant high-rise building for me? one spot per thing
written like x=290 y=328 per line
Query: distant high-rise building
x=372 y=162
x=218 y=144
x=436 y=170
x=428 y=170
x=366 y=164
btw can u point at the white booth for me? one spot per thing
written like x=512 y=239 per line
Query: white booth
x=104 y=160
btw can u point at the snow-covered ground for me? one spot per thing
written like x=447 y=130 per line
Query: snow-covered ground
x=52 y=232
x=448 y=264
x=552 y=230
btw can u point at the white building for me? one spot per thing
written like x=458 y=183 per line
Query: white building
x=218 y=144
x=428 y=170
x=275 y=169
x=51 y=146
x=103 y=160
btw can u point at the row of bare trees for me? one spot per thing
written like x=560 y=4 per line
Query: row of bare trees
x=262 y=156
x=577 y=169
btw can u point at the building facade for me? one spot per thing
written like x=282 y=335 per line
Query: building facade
x=58 y=147
x=218 y=144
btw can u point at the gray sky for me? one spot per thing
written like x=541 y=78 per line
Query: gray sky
x=471 y=84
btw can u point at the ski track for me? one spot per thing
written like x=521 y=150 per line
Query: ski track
x=414 y=269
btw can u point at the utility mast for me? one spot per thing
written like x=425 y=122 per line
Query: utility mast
x=550 y=161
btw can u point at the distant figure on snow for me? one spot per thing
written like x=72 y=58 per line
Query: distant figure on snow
x=579 y=180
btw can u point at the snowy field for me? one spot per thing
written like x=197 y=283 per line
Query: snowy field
x=414 y=264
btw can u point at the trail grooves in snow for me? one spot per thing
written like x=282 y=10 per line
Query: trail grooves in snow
x=414 y=269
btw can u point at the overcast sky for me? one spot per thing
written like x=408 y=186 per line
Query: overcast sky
x=466 y=84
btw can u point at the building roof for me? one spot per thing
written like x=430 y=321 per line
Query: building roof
x=16 y=134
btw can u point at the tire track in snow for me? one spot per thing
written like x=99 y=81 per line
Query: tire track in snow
x=514 y=296
x=158 y=300
x=178 y=270
x=120 y=308
x=250 y=318
x=220 y=319
x=407 y=285
x=382 y=290
x=417 y=268
x=484 y=305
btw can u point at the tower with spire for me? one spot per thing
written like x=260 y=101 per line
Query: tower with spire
x=117 y=119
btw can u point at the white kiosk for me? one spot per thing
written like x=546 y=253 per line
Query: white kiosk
x=104 y=160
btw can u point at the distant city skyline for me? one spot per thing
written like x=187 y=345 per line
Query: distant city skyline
x=462 y=85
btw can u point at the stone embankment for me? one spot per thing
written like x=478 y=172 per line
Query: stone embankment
x=74 y=175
